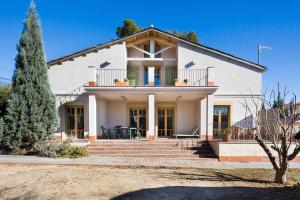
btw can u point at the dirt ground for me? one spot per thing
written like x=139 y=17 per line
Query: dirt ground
x=91 y=182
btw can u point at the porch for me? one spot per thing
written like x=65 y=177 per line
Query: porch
x=153 y=112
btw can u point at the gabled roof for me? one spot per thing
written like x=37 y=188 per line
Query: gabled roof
x=100 y=46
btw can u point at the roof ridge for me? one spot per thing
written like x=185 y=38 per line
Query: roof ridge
x=93 y=48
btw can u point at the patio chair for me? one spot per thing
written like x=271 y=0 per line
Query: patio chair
x=138 y=133
x=195 y=134
x=118 y=131
x=105 y=133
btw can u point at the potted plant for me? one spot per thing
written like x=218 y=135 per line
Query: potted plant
x=119 y=83
x=181 y=83
x=226 y=135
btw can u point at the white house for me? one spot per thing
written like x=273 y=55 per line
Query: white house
x=165 y=85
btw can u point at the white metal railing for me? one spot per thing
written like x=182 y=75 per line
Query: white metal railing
x=163 y=77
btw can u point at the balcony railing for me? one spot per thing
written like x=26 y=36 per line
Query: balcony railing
x=162 y=77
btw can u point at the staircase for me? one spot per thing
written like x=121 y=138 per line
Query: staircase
x=161 y=148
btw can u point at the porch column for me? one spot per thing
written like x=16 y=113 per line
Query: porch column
x=210 y=117
x=151 y=69
x=151 y=72
x=203 y=112
x=206 y=117
x=151 y=117
x=92 y=117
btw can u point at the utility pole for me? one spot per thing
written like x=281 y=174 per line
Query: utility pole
x=260 y=47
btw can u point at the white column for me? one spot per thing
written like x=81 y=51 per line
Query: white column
x=206 y=117
x=151 y=117
x=210 y=76
x=203 y=120
x=210 y=116
x=92 y=117
x=152 y=48
x=151 y=74
x=92 y=76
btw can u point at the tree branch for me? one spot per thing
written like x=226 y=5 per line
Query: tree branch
x=268 y=152
x=294 y=154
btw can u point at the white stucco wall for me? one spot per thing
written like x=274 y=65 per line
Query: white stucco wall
x=242 y=149
x=116 y=114
x=70 y=75
x=101 y=115
x=231 y=76
x=186 y=116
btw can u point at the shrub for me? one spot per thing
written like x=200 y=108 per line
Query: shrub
x=47 y=149
x=70 y=151
x=1 y=131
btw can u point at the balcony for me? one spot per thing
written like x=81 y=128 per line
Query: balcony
x=168 y=77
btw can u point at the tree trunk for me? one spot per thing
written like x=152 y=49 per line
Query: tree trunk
x=280 y=176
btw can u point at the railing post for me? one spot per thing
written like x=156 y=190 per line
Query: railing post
x=92 y=76
x=210 y=76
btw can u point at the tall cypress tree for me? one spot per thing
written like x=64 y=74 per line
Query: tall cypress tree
x=31 y=111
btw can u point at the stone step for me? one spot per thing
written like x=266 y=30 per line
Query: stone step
x=186 y=156
x=120 y=148
x=137 y=149
x=143 y=142
x=133 y=145
x=142 y=152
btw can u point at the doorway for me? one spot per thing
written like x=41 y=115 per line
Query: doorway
x=166 y=122
x=137 y=119
x=157 y=75
x=75 y=121
x=221 y=118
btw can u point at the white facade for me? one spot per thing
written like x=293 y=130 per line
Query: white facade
x=155 y=86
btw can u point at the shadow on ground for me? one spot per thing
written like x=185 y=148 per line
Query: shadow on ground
x=211 y=176
x=211 y=193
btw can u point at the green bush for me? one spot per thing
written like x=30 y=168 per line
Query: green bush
x=1 y=131
x=57 y=150
x=47 y=149
x=69 y=151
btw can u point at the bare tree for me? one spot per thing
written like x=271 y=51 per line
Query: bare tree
x=274 y=118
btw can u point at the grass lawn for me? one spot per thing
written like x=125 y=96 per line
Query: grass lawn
x=88 y=182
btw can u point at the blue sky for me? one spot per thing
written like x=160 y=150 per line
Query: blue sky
x=236 y=27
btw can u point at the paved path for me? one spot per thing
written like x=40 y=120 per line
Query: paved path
x=144 y=162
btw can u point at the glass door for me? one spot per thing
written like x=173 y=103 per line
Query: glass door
x=221 y=119
x=165 y=122
x=157 y=76
x=75 y=121
x=137 y=119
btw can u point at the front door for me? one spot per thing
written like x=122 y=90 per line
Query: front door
x=75 y=121
x=165 y=122
x=137 y=119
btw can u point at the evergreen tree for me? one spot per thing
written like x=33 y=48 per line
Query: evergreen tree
x=191 y=36
x=129 y=27
x=31 y=111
